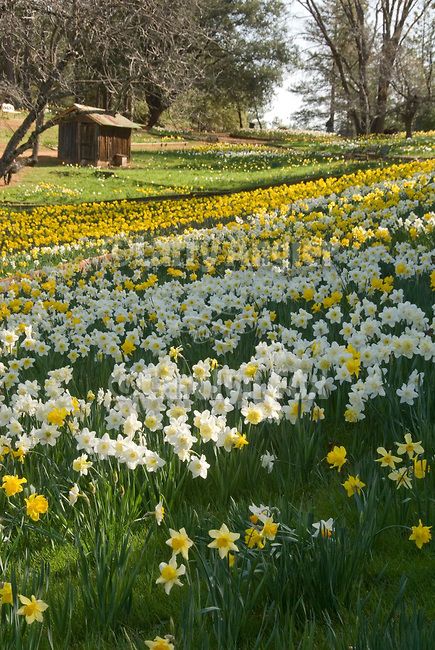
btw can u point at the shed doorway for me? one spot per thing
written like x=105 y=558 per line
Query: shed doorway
x=89 y=136
x=88 y=142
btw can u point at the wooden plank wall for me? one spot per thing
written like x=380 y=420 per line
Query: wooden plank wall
x=88 y=142
x=113 y=140
x=67 y=149
x=81 y=139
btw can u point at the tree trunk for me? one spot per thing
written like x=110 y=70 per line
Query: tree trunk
x=128 y=102
x=257 y=117
x=411 y=108
x=105 y=99
x=156 y=104
x=330 y=124
x=132 y=103
x=154 y=113
x=77 y=97
x=13 y=147
x=35 y=149
x=356 y=121
x=239 y=113
x=378 y=124
x=9 y=69
x=389 y=50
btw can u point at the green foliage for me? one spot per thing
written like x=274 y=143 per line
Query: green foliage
x=248 y=53
x=160 y=173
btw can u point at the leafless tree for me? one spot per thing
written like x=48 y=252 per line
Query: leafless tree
x=398 y=19
x=365 y=50
x=154 y=53
x=150 y=45
x=413 y=80
x=38 y=40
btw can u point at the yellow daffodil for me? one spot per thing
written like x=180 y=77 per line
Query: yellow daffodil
x=6 y=596
x=409 y=447
x=82 y=465
x=253 y=537
x=128 y=347
x=179 y=542
x=420 y=534
x=160 y=643
x=420 y=468
x=223 y=540
x=174 y=353
x=337 y=457
x=387 y=459
x=36 y=505
x=57 y=416
x=270 y=529
x=12 y=484
x=32 y=609
x=170 y=574
x=353 y=485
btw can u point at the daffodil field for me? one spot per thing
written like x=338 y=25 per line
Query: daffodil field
x=217 y=419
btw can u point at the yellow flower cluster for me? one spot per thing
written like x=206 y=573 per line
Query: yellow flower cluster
x=36 y=504
x=32 y=608
x=57 y=225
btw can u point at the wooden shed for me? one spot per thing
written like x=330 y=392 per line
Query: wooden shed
x=90 y=136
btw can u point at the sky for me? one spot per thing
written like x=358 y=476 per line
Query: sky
x=284 y=103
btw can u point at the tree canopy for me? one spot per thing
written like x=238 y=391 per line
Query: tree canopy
x=115 y=54
x=355 y=47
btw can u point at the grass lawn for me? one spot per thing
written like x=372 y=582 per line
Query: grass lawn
x=422 y=143
x=283 y=158
x=170 y=172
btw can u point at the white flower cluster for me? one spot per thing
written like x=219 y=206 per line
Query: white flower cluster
x=356 y=322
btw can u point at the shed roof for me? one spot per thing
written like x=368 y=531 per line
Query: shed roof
x=99 y=116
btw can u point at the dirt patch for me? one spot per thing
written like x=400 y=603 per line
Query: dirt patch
x=174 y=145
x=10 y=123
x=15 y=180
x=167 y=145
x=228 y=139
x=43 y=151
x=46 y=157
